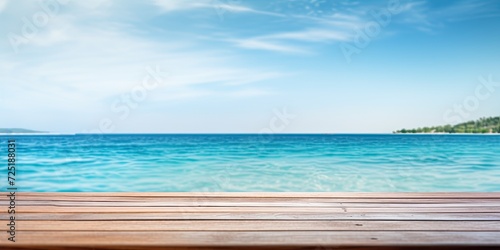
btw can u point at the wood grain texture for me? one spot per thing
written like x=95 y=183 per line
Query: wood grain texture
x=263 y=225
x=402 y=195
x=248 y=220
x=306 y=216
x=90 y=209
x=263 y=238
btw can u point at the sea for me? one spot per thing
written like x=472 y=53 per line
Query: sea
x=253 y=163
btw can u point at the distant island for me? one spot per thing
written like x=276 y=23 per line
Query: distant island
x=19 y=131
x=489 y=125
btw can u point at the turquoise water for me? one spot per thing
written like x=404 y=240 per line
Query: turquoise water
x=256 y=163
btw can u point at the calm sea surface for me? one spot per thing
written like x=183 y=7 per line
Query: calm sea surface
x=298 y=163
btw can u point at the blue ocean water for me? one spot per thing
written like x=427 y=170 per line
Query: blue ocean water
x=299 y=163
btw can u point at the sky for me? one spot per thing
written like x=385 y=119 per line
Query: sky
x=242 y=66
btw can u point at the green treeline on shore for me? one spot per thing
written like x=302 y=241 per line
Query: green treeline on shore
x=18 y=130
x=481 y=126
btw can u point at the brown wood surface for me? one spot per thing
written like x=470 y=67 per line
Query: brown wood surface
x=352 y=195
x=264 y=220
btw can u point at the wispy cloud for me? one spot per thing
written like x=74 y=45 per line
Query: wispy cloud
x=327 y=28
x=264 y=44
x=105 y=63
x=90 y=54
x=3 y=4
x=287 y=42
x=173 y=5
x=86 y=65
x=322 y=30
x=311 y=35
x=242 y=9
x=471 y=9
x=216 y=5
x=429 y=19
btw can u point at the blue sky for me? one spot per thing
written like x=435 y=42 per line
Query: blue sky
x=229 y=66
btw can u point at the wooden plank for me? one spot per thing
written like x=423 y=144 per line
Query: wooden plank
x=256 y=200
x=257 y=216
x=265 y=238
x=429 y=247
x=267 y=225
x=249 y=219
x=402 y=195
x=121 y=247
x=58 y=209
x=243 y=204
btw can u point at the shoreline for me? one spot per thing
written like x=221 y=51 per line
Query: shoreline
x=446 y=133
x=256 y=134
x=37 y=134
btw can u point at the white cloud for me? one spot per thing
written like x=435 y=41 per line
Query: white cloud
x=3 y=4
x=332 y=28
x=313 y=35
x=240 y=8
x=93 y=4
x=173 y=5
x=262 y=44
x=471 y=9
x=74 y=70
x=410 y=6
x=286 y=42
x=428 y=20
x=51 y=37
x=219 y=6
